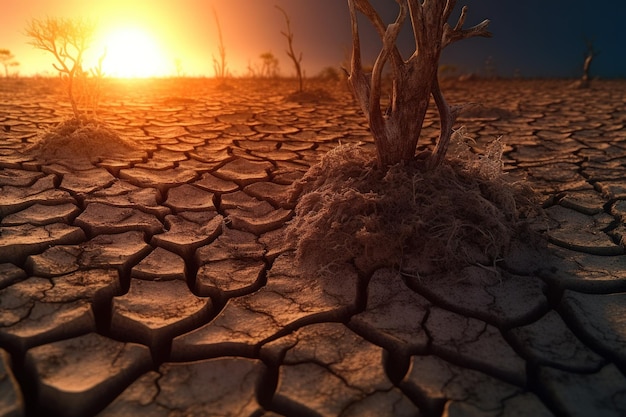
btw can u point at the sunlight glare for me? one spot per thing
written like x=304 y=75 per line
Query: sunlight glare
x=132 y=53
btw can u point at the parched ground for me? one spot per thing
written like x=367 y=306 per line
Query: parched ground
x=158 y=281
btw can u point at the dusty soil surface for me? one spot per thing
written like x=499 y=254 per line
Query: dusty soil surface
x=159 y=281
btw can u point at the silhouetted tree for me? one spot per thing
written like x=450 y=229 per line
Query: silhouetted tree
x=397 y=131
x=589 y=55
x=6 y=57
x=290 y=52
x=219 y=65
x=269 y=66
x=67 y=40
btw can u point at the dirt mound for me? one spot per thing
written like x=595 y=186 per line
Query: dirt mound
x=81 y=141
x=464 y=212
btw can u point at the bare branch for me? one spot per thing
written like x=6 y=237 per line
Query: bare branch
x=414 y=81
x=416 y=11
x=447 y=117
x=389 y=43
x=452 y=35
x=6 y=59
x=364 y=7
x=372 y=15
x=219 y=66
x=461 y=21
x=290 y=52
x=67 y=40
x=447 y=12
x=357 y=78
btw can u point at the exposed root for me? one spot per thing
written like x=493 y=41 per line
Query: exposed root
x=463 y=212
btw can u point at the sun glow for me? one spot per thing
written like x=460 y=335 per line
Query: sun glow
x=132 y=53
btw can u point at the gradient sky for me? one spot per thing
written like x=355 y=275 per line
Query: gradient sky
x=532 y=38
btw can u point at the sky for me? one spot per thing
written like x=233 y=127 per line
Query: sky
x=531 y=38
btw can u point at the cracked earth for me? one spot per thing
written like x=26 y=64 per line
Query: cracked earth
x=159 y=282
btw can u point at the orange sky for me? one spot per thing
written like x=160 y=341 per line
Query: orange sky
x=185 y=30
x=532 y=38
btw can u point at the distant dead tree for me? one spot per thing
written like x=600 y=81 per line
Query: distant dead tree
x=67 y=40
x=589 y=55
x=397 y=131
x=6 y=57
x=219 y=65
x=269 y=65
x=178 y=65
x=290 y=52
x=253 y=70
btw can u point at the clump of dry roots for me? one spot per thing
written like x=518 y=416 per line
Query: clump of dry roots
x=463 y=212
x=80 y=139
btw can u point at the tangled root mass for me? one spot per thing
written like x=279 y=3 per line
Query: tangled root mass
x=463 y=212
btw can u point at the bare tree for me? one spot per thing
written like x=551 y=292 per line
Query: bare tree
x=397 y=131
x=6 y=57
x=269 y=66
x=67 y=40
x=253 y=70
x=178 y=64
x=590 y=54
x=290 y=52
x=219 y=65
x=15 y=64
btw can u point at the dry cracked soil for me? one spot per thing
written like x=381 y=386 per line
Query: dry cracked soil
x=158 y=282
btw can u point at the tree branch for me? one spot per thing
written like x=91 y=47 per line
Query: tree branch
x=372 y=15
x=357 y=79
x=417 y=15
x=452 y=35
x=447 y=11
x=447 y=117
x=290 y=52
x=389 y=43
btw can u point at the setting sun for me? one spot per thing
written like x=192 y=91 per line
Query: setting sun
x=132 y=52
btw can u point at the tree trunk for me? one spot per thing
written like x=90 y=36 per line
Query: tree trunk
x=396 y=133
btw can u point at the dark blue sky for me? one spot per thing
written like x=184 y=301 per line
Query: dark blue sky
x=540 y=38
x=531 y=38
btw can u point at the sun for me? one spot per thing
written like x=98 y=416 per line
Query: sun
x=132 y=52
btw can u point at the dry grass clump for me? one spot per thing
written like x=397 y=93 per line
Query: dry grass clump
x=82 y=139
x=463 y=212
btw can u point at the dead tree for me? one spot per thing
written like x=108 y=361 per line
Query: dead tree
x=269 y=66
x=297 y=62
x=396 y=132
x=219 y=66
x=6 y=58
x=589 y=55
x=67 y=40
